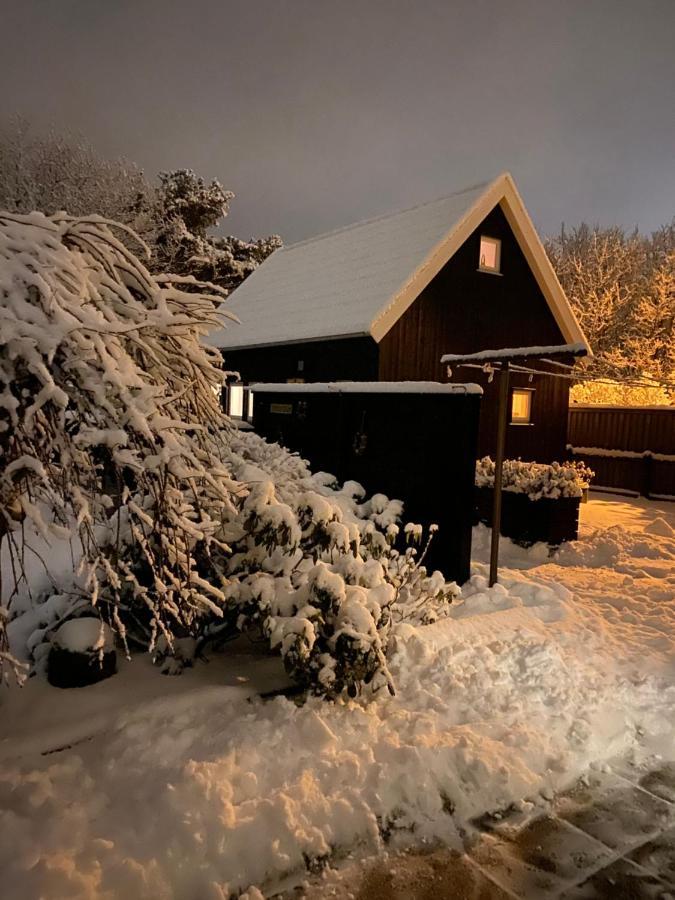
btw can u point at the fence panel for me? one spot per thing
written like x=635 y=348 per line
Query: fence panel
x=631 y=448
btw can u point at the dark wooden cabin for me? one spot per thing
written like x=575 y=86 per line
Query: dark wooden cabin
x=383 y=300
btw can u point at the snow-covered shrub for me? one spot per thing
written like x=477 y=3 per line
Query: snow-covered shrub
x=107 y=400
x=112 y=438
x=316 y=570
x=537 y=480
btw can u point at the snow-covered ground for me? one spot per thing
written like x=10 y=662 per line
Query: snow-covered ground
x=197 y=788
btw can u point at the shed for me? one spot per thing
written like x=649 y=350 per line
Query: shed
x=384 y=299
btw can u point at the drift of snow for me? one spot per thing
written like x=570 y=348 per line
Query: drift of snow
x=567 y=662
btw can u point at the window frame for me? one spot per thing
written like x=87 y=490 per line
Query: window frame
x=497 y=270
x=530 y=392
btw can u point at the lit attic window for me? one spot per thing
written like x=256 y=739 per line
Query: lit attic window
x=490 y=254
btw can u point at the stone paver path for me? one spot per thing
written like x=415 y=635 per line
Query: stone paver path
x=611 y=837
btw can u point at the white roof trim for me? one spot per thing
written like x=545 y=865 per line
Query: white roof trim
x=502 y=191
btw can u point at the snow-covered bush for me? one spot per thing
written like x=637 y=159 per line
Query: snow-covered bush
x=112 y=438
x=537 y=480
x=107 y=400
x=319 y=572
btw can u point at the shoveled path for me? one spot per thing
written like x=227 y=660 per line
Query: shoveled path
x=611 y=836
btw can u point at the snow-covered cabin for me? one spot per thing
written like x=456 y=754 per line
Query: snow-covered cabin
x=384 y=299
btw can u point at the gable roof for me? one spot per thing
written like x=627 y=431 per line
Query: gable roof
x=359 y=280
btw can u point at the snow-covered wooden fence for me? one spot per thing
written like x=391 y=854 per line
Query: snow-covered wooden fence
x=629 y=448
x=413 y=441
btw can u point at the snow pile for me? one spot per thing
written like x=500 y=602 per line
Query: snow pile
x=557 y=667
x=537 y=480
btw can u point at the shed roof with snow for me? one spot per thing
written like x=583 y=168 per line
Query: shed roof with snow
x=359 y=280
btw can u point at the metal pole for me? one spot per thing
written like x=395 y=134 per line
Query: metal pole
x=502 y=411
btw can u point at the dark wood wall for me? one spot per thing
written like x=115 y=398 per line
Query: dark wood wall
x=463 y=310
x=345 y=359
x=545 y=440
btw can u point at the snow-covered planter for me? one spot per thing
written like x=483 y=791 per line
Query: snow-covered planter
x=540 y=502
x=82 y=652
x=536 y=480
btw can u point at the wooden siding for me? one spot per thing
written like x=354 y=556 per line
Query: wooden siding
x=348 y=359
x=463 y=310
x=623 y=428
x=545 y=439
x=632 y=429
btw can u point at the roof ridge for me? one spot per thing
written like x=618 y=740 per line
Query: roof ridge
x=390 y=215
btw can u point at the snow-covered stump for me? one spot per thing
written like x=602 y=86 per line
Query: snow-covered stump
x=82 y=653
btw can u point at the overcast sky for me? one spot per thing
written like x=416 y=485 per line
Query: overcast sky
x=318 y=113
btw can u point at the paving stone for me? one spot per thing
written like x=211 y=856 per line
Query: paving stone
x=508 y=822
x=660 y=781
x=543 y=857
x=439 y=875
x=615 y=812
x=622 y=880
x=658 y=856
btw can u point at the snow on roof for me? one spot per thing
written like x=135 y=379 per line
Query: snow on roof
x=367 y=387
x=336 y=284
x=360 y=279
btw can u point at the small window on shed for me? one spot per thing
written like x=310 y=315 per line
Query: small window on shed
x=490 y=254
x=236 y=400
x=521 y=406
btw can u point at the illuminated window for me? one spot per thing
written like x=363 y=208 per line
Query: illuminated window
x=521 y=407
x=236 y=400
x=490 y=254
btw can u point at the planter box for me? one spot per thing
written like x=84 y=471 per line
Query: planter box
x=527 y=521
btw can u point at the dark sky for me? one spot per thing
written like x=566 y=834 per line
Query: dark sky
x=322 y=112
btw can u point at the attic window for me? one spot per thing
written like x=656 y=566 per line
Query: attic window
x=521 y=406
x=490 y=254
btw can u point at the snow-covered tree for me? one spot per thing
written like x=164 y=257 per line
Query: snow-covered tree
x=187 y=209
x=176 y=218
x=645 y=391
x=622 y=288
x=56 y=172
